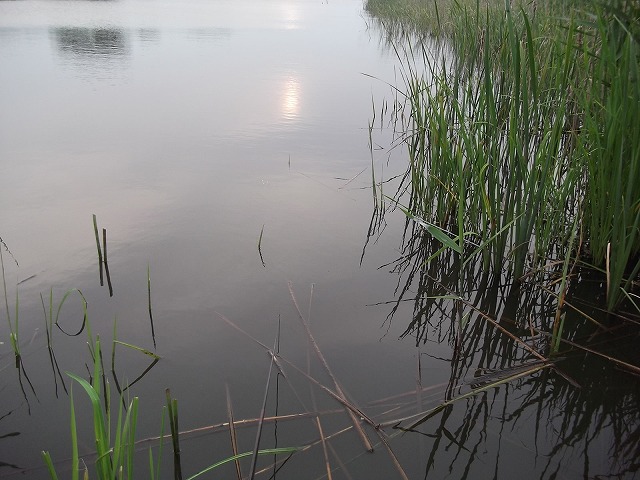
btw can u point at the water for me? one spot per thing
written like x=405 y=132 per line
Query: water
x=188 y=128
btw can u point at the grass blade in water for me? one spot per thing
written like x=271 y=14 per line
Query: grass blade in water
x=232 y=432
x=153 y=332
x=172 y=410
x=254 y=458
x=106 y=262
x=95 y=229
x=260 y=246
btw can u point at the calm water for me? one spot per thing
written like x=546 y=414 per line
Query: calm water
x=188 y=128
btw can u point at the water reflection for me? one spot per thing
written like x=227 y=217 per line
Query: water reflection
x=91 y=42
x=208 y=34
x=577 y=416
x=148 y=35
x=95 y=52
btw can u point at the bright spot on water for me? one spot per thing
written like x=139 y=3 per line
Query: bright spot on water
x=291 y=98
x=291 y=16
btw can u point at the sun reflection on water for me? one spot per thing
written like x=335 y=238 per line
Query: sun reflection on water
x=290 y=98
x=291 y=16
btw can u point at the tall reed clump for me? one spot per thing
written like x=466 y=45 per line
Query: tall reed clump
x=609 y=142
x=485 y=149
x=523 y=132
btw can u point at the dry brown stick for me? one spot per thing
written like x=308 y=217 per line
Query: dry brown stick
x=576 y=309
x=255 y=340
x=316 y=419
x=352 y=410
x=341 y=399
x=348 y=405
x=324 y=448
x=277 y=359
x=493 y=322
x=392 y=455
x=632 y=368
x=429 y=413
x=361 y=433
x=398 y=396
x=306 y=447
x=341 y=465
x=217 y=427
x=504 y=330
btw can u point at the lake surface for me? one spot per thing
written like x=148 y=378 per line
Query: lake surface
x=224 y=147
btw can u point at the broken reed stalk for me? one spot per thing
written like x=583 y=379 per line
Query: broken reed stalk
x=249 y=422
x=491 y=320
x=232 y=433
x=155 y=357
x=317 y=422
x=172 y=409
x=426 y=415
x=254 y=457
x=339 y=395
x=260 y=247
x=106 y=262
x=153 y=332
x=398 y=396
x=95 y=229
x=349 y=406
x=48 y=325
x=323 y=441
x=315 y=416
x=353 y=411
x=623 y=365
x=341 y=464
x=361 y=433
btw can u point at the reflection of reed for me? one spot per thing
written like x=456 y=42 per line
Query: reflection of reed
x=495 y=329
x=92 y=53
x=91 y=42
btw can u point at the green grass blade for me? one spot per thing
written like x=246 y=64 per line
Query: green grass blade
x=50 y=468
x=270 y=451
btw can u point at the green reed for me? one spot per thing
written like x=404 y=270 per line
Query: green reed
x=14 y=331
x=114 y=437
x=114 y=453
x=523 y=133
x=610 y=144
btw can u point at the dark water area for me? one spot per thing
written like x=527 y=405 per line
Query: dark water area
x=225 y=148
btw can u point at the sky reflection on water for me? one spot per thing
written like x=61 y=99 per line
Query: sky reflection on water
x=185 y=127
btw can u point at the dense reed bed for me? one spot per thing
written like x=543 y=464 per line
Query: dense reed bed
x=522 y=125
